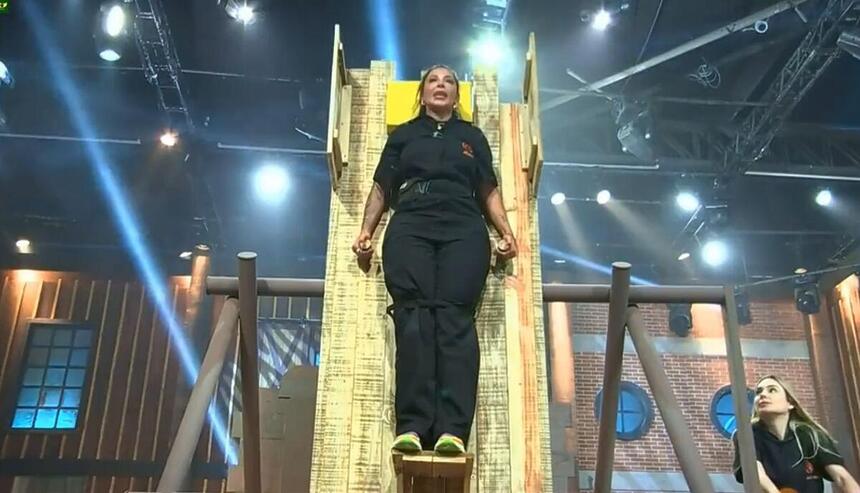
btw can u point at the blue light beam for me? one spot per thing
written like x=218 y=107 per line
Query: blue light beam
x=385 y=27
x=583 y=262
x=121 y=210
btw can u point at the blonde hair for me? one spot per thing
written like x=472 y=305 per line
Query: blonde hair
x=799 y=419
x=426 y=73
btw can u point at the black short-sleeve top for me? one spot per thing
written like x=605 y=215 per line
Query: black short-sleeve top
x=454 y=152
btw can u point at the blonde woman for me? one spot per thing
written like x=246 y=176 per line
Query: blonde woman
x=794 y=452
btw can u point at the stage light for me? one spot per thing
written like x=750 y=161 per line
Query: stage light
x=601 y=20
x=680 y=319
x=715 y=253
x=800 y=270
x=807 y=298
x=24 y=246
x=603 y=197
x=488 y=51
x=245 y=14
x=687 y=201
x=557 y=198
x=169 y=139
x=684 y=256
x=111 y=31
x=6 y=75
x=824 y=198
x=109 y=55
x=270 y=183
x=186 y=255
x=114 y=20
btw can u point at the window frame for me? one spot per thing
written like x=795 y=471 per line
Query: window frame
x=21 y=367
x=712 y=408
x=647 y=405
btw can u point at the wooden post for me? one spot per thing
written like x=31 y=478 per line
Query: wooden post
x=182 y=451
x=738 y=380
x=250 y=373
x=618 y=297
x=679 y=433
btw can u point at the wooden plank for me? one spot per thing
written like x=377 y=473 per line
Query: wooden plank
x=111 y=304
x=62 y=310
x=330 y=466
x=491 y=438
x=147 y=397
x=80 y=312
x=336 y=143
x=13 y=444
x=113 y=444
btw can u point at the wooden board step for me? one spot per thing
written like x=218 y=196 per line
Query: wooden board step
x=427 y=472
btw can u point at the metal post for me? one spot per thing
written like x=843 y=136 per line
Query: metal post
x=618 y=297
x=182 y=451
x=250 y=373
x=679 y=433
x=737 y=377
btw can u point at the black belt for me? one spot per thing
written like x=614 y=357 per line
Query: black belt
x=425 y=187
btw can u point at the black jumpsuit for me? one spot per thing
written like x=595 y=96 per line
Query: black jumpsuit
x=435 y=255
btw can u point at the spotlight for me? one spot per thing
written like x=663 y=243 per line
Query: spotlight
x=687 y=201
x=245 y=14
x=601 y=20
x=169 y=139
x=557 y=198
x=603 y=197
x=742 y=304
x=23 y=245
x=824 y=198
x=111 y=31
x=807 y=299
x=488 y=51
x=241 y=12
x=270 y=183
x=715 y=253
x=761 y=26
x=114 y=20
x=6 y=75
x=684 y=256
x=185 y=255
x=680 y=318
x=800 y=270
x=109 y=55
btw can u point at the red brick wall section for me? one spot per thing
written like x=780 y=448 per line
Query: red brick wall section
x=770 y=320
x=695 y=380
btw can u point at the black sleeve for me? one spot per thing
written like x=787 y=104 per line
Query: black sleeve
x=486 y=177
x=736 y=463
x=388 y=168
x=826 y=455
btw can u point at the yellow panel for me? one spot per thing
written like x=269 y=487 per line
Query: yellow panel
x=400 y=102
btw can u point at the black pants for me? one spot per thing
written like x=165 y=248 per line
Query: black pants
x=436 y=284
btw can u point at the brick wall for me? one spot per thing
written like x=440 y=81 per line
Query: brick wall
x=695 y=380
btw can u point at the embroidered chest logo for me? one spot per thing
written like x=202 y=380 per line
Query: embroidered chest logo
x=467 y=149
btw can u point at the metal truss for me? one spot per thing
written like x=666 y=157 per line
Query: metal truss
x=691 y=147
x=811 y=58
x=162 y=69
x=160 y=63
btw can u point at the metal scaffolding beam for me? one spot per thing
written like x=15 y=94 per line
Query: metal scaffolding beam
x=160 y=62
x=811 y=58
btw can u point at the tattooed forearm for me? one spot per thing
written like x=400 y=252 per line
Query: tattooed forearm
x=373 y=209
